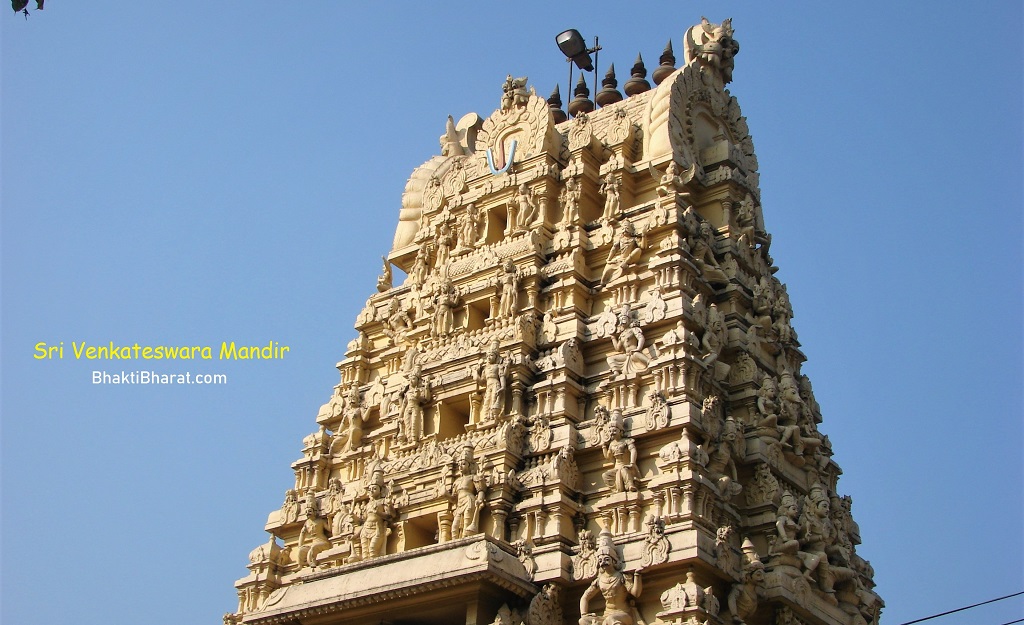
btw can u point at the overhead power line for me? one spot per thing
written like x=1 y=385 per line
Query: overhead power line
x=968 y=607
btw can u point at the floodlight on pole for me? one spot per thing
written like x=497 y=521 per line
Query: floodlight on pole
x=575 y=49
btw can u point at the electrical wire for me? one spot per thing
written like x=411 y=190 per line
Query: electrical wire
x=968 y=607
x=1020 y=620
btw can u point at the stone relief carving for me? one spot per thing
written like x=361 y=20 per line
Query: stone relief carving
x=584 y=560
x=570 y=201
x=743 y=596
x=545 y=608
x=610 y=190
x=764 y=488
x=629 y=357
x=618 y=591
x=657 y=411
x=507 y=281
x=313 y=535
x=628 y=246
x=722 y=460
x=414 y=397
x=373 y=515
x=656 y=545
x=468 y=492
x=492 y=373
x=712 y=46
x=624 y=475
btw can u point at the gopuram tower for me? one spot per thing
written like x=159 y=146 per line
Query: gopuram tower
x=584 y=403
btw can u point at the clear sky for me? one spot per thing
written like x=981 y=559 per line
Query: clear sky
x=181 y=173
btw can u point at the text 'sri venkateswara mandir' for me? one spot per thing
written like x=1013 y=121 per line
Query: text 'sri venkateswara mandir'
x=584 y=403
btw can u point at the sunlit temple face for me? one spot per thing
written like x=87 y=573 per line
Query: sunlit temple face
x=374 y=491
x=614 y=431
x=604 y=561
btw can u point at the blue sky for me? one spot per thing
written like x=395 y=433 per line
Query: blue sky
x=203 y=173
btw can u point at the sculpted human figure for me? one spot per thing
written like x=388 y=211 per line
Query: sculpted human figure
x=787 y=528
x=444 y=309
x=817 y=533
x=421 y=265
x=374 y=514
x=629 y=345
x=469 y=228
x=767 y=404
x=352 y=419
x=312 y=537
x=621 y=451
x=611 y=584
x=570 y=199
x=384 y=280
x=335 y=508
x=626 y=250
x=745 y=221
x=743 y=596
x=722 y=465
x=714 y=337
x=610 y=190
x=508 y=289
x=397 y=322
x=671 y=183
x=445 y=241
x=492 y=372
x=469 y=490
x=417 y=393
x=527 y=206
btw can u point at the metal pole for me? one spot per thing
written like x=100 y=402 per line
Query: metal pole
x=597 y=48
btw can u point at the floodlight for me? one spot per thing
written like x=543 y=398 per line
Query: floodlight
x=574 y=48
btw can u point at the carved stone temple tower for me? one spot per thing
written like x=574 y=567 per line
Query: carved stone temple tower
x=584 y=404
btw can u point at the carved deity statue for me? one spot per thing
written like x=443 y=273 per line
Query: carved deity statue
x=817 y=533
x=746 y=222
x=469 y=229
x=373 y=516
x=625 y=251
x=492 y=372
x=508 y=289
x=313 y=536
x=397 y=323
x=468 y=490
x=617 y=590
x=336 y=510
x=523 y=212
x=671 y=183
x=610 y=190
x=570 y=200
x=351 y=423
x=384 y=280
x=628 y=342
x=722 y=461
x=624 y=475
x=410 y=412
x=445 y=241
x=787 y=542
x=445 y=302
x=743 y=596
